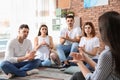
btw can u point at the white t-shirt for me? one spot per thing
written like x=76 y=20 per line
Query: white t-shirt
x=15 y=49
x=43 y=52
x=76 y=31
x=89 y=44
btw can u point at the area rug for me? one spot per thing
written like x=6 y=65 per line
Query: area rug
x=46 y=78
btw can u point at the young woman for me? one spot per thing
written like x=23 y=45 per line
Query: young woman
x=43 y=44
x=89 y=43
x=108 y=67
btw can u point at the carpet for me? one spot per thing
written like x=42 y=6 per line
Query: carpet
x=44 y=74
x=46 y=78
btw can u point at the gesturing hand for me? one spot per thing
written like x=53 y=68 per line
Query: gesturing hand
x=44 y=43
x=76 y=57
x=30 y=55
x=67 y=37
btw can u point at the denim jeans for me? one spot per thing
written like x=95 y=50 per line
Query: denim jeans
x=64 y=50
x=19 y=69
x=46 y=62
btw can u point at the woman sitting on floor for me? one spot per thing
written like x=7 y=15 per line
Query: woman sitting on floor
x=108 y=67
x=43 y=44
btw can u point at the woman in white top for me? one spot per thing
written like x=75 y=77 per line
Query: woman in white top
x=108 y=66
x=89 y=43
x=43 y=45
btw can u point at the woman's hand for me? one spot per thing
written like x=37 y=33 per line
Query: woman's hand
x=44 y=43
x=77 y=57
x=82 y=49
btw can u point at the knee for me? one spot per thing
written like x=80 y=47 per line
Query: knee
x=37 y=62
x=59 y=46
x=46 y=62
x=4 y=64
x=75 y=44
x=53 y=56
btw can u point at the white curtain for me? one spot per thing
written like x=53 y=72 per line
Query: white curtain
x=31 y=12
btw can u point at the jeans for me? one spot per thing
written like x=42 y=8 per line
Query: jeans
x=19 y=69
x=0 y=67
x=77 y=76
x=46 y=62
x=65 y=50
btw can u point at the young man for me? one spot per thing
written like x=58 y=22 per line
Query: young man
x=69 y=39
x=19 y=57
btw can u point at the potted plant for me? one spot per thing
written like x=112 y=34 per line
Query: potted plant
x=71 y=13
x=63 y=13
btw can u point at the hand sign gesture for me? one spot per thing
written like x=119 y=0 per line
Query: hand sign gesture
x=76 y=57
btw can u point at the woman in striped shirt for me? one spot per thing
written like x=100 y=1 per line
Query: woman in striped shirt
x=108 y=66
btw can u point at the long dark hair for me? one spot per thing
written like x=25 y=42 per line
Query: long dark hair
x=109 y=25
x=92 y=29
x=43 y=25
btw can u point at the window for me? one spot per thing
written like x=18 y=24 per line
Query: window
x=13 y=13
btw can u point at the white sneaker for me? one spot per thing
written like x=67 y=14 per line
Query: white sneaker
x=33 y=71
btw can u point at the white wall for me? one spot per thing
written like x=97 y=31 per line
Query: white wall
x=24 y=12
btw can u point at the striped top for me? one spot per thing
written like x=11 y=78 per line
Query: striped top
x=104 y=69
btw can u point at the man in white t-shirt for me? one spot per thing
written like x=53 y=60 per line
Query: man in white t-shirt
x=69 y=39
x=19 y=56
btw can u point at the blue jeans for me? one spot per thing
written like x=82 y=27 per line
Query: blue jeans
x=46 y=62
x=19 y=69
x=64 y=50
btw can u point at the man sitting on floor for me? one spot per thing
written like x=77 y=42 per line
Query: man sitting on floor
x=19 y=57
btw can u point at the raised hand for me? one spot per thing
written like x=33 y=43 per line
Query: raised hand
x=76 y=57
x=44 y=43
x=66 y=36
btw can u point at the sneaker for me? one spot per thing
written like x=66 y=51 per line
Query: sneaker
x=33 y=71
x=9 y=76
x=65 y=66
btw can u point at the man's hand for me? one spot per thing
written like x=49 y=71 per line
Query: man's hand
x=67 y=37
x=30 y=55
